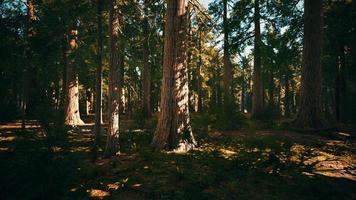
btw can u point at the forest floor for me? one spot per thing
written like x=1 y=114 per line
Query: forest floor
x=251 y=163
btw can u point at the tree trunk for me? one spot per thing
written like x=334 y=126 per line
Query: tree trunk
x=112 y=142
x=257 y=93
x=227 y=64
x=287 y=107
x=27 y=68
x=72 y=115
x=309 y=114
x=146 y=74
x=199 y=81
x=98 y=83
x=173 y=129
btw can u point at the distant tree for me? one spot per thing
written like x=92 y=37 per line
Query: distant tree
x=257 y=92
x=146 y=72
x=309 y=113
x=98 y=85
x=174 y=130
x=28 y=67
x=227 y=62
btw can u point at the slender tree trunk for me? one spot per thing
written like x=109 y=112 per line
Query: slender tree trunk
x=28 y=66
x=200 y=97
x=173 y=130
x=146 y=74
x=257 y=93
x=98 y=83
x=227 y=64
x=309 y=115
x=287 y=106
x=112 y=142
x=88 y=104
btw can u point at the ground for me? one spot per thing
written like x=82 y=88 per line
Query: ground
x=250 y=163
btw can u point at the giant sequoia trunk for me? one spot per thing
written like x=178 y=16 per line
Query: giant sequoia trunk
x=98 y=90
x=173 y=129
x=112 y=142
x=72 y=115
x=227 y=64
x=257 y=91
x=309 y=114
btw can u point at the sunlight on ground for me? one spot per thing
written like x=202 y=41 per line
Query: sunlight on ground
x=7 y=138
x=96 y=193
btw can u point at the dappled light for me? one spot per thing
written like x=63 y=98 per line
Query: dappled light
x=177 y=100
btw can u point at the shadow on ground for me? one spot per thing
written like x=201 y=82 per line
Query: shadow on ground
x=241 y=164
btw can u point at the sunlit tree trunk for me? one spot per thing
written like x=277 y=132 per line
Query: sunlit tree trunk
x=72 y=115
x=27 y=67
x=309 y=113
x=257 y=91
x=112 y=142
x=98 y=83
x=173 y=129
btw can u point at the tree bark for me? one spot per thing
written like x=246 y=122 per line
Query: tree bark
x=146 y=72
x=257 y=93
x=227 y=63
x=72 y=115
x=287 y=102
x=199 y=81
x=309 y=113
x=98 y=84
x=112 y=142
x=173 y=131
x=28 y=54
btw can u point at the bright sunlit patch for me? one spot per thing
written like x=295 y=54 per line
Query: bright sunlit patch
x=344 y=134
x=226 y=153
x=96 y=193
x=136 y=185
x=113 y=186
x=8 y=138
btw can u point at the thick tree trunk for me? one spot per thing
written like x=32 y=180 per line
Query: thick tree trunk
x=98 y=83
x=72 y=115
x=309 y=115
x=173 y=129
x=112 y=142
x=146 y=72
x=257 y=93
x=227 y=64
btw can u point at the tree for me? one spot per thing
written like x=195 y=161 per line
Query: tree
x=309 y=113
x=227 y=63
x=173 y=129
x=98 y=87
x=257 y=92
x=146 y=72
x=112 y=142
x=27 y=69
x=72 y=114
